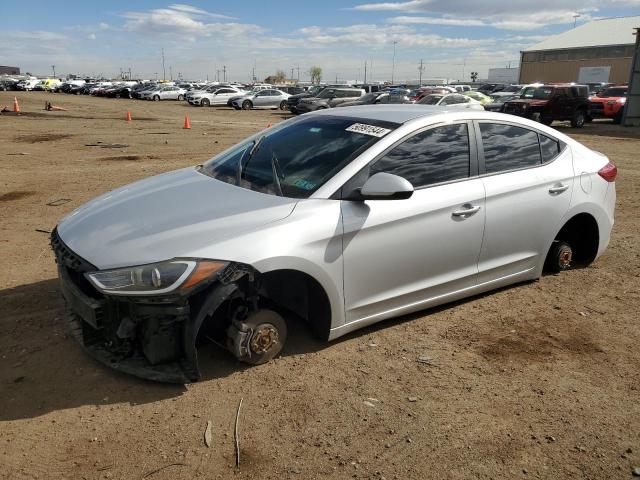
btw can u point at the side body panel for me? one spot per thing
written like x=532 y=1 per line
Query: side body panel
x=523 y=217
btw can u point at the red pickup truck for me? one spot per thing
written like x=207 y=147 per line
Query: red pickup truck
x=609 y=103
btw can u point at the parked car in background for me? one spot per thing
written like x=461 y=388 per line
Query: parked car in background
x=377 y=98
x=338 y=219
x=478 y=96
x=293 y=100
x=369 y=88
x=47 y=84
x=119 y=91
x=290 y=89
x=498 y=101
x=270 y=98
x=597 y=87
x=450 y=100
x=218 y=96
x=328 y=98
x=488 y=88
x=424 y=91
x=8 y=84
x=461 y=88
x=609 y=103
x=548 y=103
x=27 y=84
x=164 y=93
x=508 y=91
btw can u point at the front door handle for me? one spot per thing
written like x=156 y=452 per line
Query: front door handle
x=466 y=210
x=559 y=188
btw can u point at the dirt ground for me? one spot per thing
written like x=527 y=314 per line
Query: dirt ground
x=541 y=380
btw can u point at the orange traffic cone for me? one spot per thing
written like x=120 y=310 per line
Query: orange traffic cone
x=187 y=124
x=128 y=118
x=16 y=107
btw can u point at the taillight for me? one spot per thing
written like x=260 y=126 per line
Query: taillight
x=609 y=172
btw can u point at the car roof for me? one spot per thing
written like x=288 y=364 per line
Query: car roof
x=396 y=113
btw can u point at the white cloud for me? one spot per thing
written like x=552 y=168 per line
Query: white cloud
x=91 y=36
x=512 y=15
x=376 y=36
x=179 y=19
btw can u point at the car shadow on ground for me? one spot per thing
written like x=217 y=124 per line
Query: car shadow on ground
x=43 y=369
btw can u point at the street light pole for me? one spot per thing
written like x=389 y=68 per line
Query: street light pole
x=393 y=67
x=164 y=72
x=575 y=19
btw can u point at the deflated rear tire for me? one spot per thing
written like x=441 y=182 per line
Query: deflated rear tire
x=560 y=257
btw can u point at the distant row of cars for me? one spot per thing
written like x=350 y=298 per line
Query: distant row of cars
x=544 y=103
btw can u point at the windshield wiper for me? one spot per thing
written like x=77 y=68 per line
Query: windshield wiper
x=253 y=150
x=277 y=173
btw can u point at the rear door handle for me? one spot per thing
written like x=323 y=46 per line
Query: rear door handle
x=466 y=210
x=559 y=188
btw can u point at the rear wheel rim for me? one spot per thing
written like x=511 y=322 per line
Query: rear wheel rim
x=565 y=257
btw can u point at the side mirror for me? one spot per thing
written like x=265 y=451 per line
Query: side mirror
x=386 y=186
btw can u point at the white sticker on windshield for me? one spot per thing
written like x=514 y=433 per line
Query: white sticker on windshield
x=368 y=129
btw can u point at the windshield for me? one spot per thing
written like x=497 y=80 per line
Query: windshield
x=298 y=158
x=537 y=92
x=503 y=98
x=369 y=97
x=430 y=100
x=326 y=93
x=512 y=88
x=613 y=92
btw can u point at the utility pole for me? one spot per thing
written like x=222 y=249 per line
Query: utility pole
x=170 y=73
x=129 y=73
x=164 y=72
x=291 y=73
x=393 y=67
x=365 y=72
x=224 y=73
x=336 y=78
x=54 y=70
x=298 y=73
x=575 y=19
x=253 y=76
x=421 y=69
x=218 y=74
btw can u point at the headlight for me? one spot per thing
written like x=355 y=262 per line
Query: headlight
x=155 y=278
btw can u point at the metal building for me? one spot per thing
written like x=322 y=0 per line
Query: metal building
x=9 y=70
x=597 y=51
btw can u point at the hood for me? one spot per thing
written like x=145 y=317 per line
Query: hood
x=300 y=95
x=166 y=216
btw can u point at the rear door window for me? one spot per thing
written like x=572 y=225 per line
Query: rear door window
x=507 y=147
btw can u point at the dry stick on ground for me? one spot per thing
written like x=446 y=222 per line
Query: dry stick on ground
x=148 y=474
x=236 y=434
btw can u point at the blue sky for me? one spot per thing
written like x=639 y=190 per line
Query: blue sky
x=453 y=37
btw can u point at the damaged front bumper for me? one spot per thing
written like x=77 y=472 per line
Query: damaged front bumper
x=150 y=337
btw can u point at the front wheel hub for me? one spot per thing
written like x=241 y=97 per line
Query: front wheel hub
x=264 y=337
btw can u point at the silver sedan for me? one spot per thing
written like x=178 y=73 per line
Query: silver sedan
x=270 y=98
x=339 y=219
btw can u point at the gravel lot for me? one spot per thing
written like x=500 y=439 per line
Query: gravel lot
x=540 y=380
